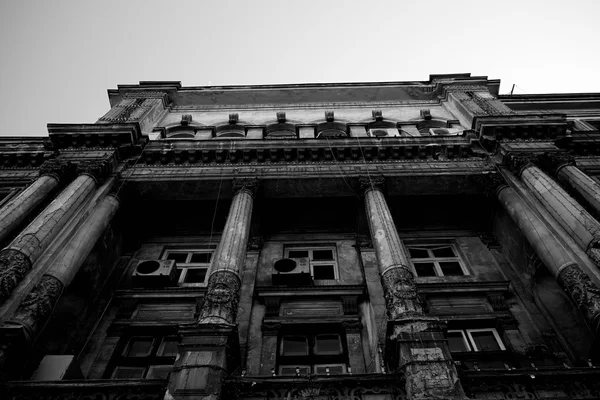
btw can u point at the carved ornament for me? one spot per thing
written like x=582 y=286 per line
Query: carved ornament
x=363 y=241
x=552 y=162
x=234 y=118
x=351 y=326
x=400 y=293
x=377 y=115
x=491 y=184
x=99 y=170
x=584 y=293
x=255 y=243
x=518 y=162
x=426 y=114
x=248 y=185
x=271 y=328
x=281 y=117
x=371 y=182
x=329 y=116
x=221 y=299
x=14 y=265
x=58 y=169
x=35 y=310
x=186 y=119
x=497 y=301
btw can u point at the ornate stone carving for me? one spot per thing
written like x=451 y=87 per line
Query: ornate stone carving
x=255 y=243
x=329 y=116
x=552 y=162
x=377 y=115
x=249 y=185
x=281 y=117
x=584 y=293
x=400 y=292
x=58 y=169
x=490 y=184
x=363 y=241
x=352 y=326
x=497 y=301
x=426 y=114
x=36 y=308
x=518 y=162
x=220 y=303
x=98 y=170
x=233 y=118
x=371 y=182
x=14 y=265
x=186 y=119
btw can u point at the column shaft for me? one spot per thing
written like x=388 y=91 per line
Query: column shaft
x=587 y=188
x=17 y=259
x=571 y=216
x=570 y=276
x=17 y=209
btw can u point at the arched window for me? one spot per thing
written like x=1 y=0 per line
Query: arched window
x=331 y=128
x=233 y=130
x=181 y=132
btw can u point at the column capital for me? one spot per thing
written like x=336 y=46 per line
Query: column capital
x=517 y=162
x=58 y=169
x=552 y=162
x=491 y=184
x=98 y=170
x=371 y=182
x=249 y=185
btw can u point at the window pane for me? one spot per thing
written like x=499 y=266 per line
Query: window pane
x=443 y=252
x=323 y=272
x=168 y=348
x=418 y=253
x=128 y=373
x=319 y=255
x=456 y=342
x=139 y=347
x=201 y=257
x=451 y=268
x=328 y=344
x=425 y=269
x=291 y=370
x=159 y=371
x=178 y=257
x=195 y=275
x=298 y=253
x=485 y=341
x=294 y=346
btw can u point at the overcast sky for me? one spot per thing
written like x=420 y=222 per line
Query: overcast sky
x=58 y=58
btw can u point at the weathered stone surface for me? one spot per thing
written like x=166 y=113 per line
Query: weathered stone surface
x=400 y=292
x=14 y=265
x=221 y=300
x=585 y=294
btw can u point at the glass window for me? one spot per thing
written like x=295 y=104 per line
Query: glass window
x=168 y=347
x=128 y=373
x=436 y=260
x=328 y=344
x=193 y=265
x=150 y=357
x=475 y=340
x=294 y=346
x=457 y=341
x=139 y=347
x=159 y=371
x=322 y=259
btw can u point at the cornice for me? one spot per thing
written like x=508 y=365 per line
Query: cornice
x=94 y=135
x=298 y=106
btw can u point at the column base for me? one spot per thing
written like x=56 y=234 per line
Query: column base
x=207 y=354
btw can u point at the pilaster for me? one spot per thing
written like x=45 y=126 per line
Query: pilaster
x=142 y=107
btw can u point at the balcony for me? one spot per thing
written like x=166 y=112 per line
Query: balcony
x=143 y=389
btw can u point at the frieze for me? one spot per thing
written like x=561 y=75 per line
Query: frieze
x=584 y=293
x=18 y=159
x=35 y=310
x=220 y=303
x=14 y=265
x=400 y=293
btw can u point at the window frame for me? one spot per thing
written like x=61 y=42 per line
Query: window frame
x=429 y=247
x=121 y=361
x=188 y=265
x=317 y=263
x=470 y=343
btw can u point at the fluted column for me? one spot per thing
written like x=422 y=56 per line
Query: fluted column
x=17 y=209
x=222 y=297
x=571 y=216
x=17 y=259
x=570 y=276
x=415 y=343
x=209 y=350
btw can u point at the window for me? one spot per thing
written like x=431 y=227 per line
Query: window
x=192 y=265
x=150 y=357
x=474 y=340
x=436 y=260
x=319 y=351
x=323 y=264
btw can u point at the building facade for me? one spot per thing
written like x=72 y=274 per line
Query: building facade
x=372 y=241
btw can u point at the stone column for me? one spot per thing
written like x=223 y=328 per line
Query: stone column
x=14 y=212
x=211 y=348
x=17 y=259
x=562 y=166
x=570 y=276
x=571 y=216
x=414 y=341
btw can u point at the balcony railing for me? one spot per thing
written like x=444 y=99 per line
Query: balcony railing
x=126 y=389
